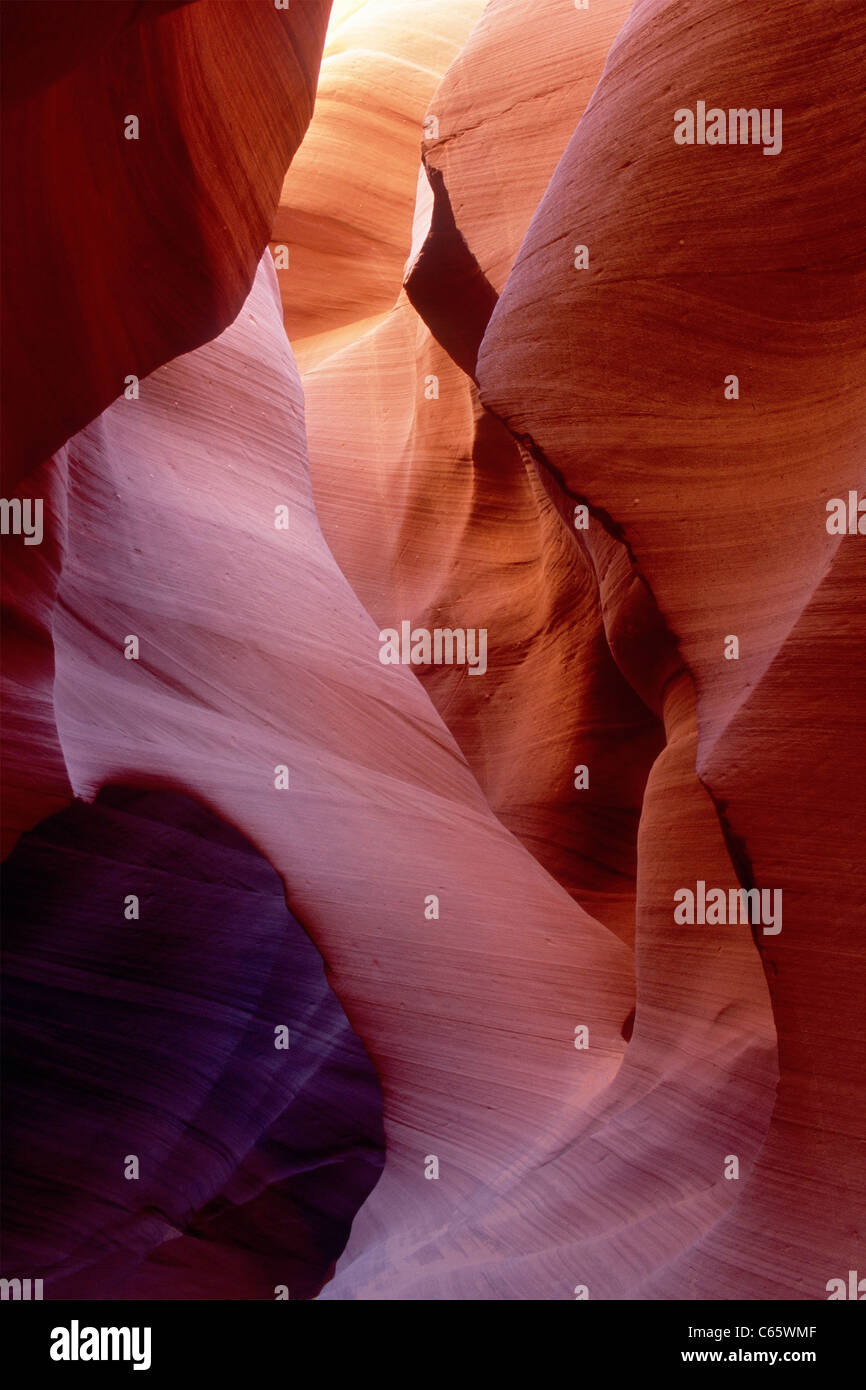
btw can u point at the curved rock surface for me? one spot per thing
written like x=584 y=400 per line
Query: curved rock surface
x=532 y=437
x=470 y=1014
x=431 y=508
x=137 y=249
x=169 y=1147
x=747 y=269
x=347 y=200
x=744 y=266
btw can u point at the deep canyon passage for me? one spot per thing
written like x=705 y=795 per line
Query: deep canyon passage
x=434 y=616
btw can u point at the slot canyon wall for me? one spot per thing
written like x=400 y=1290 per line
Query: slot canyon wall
x=433 y=623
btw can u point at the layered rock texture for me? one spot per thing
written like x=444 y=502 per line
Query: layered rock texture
x=497 y=354
x=144 y=146
x=211 y=1152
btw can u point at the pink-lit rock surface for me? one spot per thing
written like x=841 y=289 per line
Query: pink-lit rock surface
x=465 y=387
x=382 y=809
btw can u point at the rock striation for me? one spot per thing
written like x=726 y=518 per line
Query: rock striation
x=540 y=350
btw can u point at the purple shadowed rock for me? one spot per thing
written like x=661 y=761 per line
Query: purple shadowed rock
x=157 y=1037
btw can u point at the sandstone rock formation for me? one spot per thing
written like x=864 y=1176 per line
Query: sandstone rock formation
x=741 y=267
x=136 y=243
x=381 y=809
x=562 y=379
x=169 y=1146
